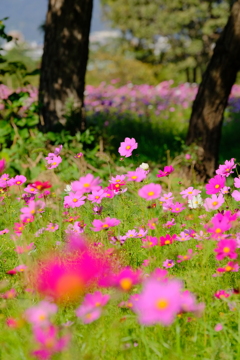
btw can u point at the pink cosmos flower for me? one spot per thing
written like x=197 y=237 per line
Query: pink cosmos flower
x=189 y=256
x=97 y=196
x=215 y=185
x=104 y=224
x=19 y=268
x=169 y=224
x=166 y=197
x=218 y=327
x=50 y=343
x=126 y=279
x=9 y=294
x=137 y=175
x=131 y=234
x=142 y=233
x=188 y=156
x=96 y=299
x=237 y=182
x=4 y=180
x=167 y=171
x=23 y=249
x=126 y=148
x=149 y=241
x=214 y=202
x=183 y=237
x=79 y=155
x=159 y=302
x=52 y=227
x=31 y=190
x=88 y=313
x=77 y=227
x=168 y=263
x=227 y=168
x=160 y=274
x=177 y=207
x=19 y=180
x=109 y=193
x=230 y=267
x=150 y=191
x=33 y=208
x=5 y=231
x=188 y=303
x=54 y=162
x=39 y=315
x=226 y=248
x=152 y=223
x=225 y=190
x=236 y=195
x=86 y=184
x=221 y=294
x=189 y=193
x=117 y=179
x=74 y=200
x=167 y=240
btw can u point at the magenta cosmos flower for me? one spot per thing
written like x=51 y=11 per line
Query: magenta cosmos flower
x=215 y=185
x=166 y=171
x=226 y=248
x=86 y=184
x=126 y=148
x=159 y=302
x=150 y=191
x=189 y=193
x=104 y=224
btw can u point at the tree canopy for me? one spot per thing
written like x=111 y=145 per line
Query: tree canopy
x=179 y=31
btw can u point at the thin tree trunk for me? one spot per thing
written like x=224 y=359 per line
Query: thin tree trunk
x=64 y=63
x=212 y=97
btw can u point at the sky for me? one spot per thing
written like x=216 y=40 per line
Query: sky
x=27 y=15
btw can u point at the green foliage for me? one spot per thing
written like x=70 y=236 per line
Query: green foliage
x=190 y=29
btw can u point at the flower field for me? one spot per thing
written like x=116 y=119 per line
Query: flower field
x=141 y=264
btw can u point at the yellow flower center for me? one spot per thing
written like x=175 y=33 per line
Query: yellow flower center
x=228 y=268
x=217 y=186
x=218 y=230
x=167 y=242
x=105 y=226
x=134 y=177
x=177 y=209
x=190 y=192
x=128 y=147
x=86 y=185
x=97 y=197
x=54 y=163
x=214 y=203
x=75 y=200
x=151 y=193
x=126 y=284
x=162 y=304
x=18 y=182
x=226 y=250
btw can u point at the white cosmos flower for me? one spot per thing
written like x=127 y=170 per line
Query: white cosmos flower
x=68 y=188
x=195 y=202
x=144 y=166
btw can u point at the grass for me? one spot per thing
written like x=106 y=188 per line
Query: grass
x=117 y=334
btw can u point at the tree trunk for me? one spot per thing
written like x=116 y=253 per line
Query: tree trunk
x=212 y=97
x=64 y=64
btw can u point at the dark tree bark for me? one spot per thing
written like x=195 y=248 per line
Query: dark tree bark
x=64 y=63
x=212 y=97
